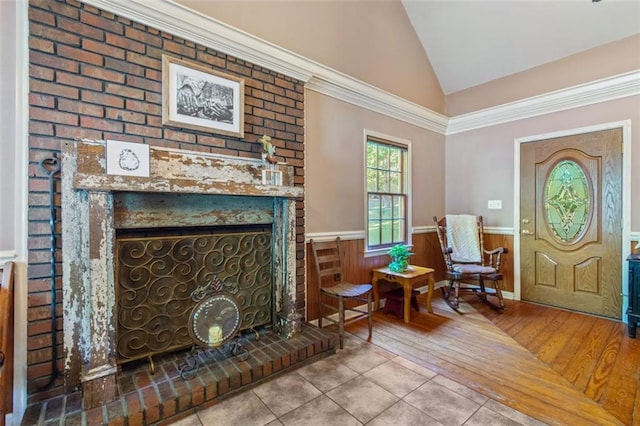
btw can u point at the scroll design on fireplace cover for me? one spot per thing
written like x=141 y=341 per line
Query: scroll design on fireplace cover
x=157 y=275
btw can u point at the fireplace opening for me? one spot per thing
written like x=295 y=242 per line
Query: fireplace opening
x=157 y=270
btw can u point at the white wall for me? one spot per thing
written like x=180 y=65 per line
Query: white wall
x=7 y=118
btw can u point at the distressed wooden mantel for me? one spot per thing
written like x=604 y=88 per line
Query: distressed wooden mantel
x=180 y=171
x=88 y=239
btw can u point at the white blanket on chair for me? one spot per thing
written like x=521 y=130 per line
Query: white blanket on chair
x=462 y=237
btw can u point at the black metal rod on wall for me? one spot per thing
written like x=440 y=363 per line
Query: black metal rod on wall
x=52 y=166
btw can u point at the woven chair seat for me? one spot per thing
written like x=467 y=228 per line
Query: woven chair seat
x=348 y=289
x=473 y=269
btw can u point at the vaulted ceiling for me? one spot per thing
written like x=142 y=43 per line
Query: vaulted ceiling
x=470 y=42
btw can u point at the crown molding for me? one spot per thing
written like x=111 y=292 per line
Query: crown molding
x=173 y=18
x=606 y=89
x=364 y=95
x=165 y=15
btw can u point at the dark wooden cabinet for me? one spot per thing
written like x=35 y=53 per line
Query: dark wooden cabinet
x=633 y=313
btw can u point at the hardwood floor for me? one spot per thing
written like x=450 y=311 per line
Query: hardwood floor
x=594 y=354
x=560 y=367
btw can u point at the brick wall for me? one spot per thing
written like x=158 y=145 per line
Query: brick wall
x=99 y=76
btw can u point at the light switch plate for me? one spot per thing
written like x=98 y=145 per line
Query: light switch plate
x=495 y=204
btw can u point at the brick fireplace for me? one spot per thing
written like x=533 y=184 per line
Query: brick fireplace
x=185 y=188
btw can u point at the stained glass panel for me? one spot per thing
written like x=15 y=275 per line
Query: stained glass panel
x=567 y=201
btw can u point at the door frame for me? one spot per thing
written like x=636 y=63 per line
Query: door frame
x=625 y=125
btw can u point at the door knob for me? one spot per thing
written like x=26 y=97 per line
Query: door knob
x=525 y=221
x=526 y=232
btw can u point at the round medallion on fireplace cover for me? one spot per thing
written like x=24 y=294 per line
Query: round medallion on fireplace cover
x=215 y=320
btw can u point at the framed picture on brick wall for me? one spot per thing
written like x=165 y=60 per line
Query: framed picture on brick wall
x=199 y=98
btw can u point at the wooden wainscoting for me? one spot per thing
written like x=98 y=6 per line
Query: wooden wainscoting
x=492 y=241
x=357 y=267
x=427 y=253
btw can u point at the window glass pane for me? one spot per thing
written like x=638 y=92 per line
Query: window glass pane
x=395 y=162
x=372 y=182
x=383 y=181
x=398 y=207
x=387 y=231
x=395 y=182
x=398 y=231
x=567 y=200
x=372 y=154
x=383 y=157
x=374 y=233
x=387 y=207
x=374 y=207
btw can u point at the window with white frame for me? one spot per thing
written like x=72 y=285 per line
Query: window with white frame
x=387 y=193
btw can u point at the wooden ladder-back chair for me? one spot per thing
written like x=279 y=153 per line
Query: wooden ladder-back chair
x=469 y=265
x=328 y=261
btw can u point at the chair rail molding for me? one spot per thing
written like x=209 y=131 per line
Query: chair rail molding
x=498 y=230
x=6 y=256
x=360 y=235
x=330 y=236
x=423 y=229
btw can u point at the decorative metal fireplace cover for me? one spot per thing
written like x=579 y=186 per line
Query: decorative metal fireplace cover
x=157 y=276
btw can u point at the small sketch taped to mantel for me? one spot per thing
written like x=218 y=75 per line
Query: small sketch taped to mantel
x=127 y=158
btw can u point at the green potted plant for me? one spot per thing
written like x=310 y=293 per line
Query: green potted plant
x=399 y=257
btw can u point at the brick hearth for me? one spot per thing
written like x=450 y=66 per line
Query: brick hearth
x=151 y=398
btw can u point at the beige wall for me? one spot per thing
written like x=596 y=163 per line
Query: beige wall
x=334 y=151
x=480 y=163
x=372 y=41
x=611 y=59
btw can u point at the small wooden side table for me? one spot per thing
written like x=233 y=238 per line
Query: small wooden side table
x=408 y=280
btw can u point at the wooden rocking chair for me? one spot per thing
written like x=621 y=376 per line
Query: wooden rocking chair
x=469 y=265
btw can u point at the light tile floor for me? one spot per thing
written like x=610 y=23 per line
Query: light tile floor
x=361 y=384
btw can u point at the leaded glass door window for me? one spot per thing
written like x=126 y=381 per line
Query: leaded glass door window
x=567 y=200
